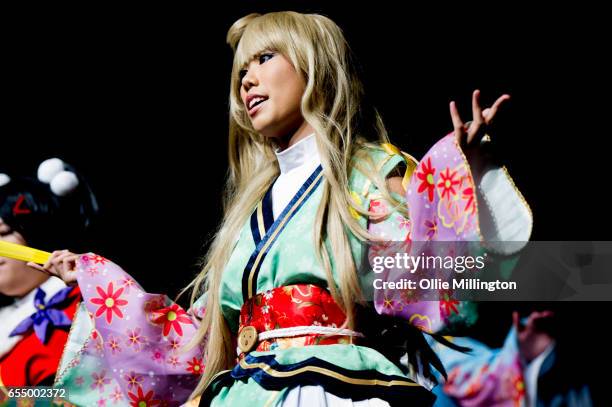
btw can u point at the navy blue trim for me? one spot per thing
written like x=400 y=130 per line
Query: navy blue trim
x=268 y=214
x=255 y=227
x=281 y=223
x=393 y=394
x=268 y=217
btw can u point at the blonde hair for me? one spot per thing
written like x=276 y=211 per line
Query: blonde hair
x=333 y=105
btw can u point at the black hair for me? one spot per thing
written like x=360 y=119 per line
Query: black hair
x=45 y=220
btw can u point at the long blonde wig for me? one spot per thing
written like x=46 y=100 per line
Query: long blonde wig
x=344 y=124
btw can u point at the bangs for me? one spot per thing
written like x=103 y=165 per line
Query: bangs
x=265 y=33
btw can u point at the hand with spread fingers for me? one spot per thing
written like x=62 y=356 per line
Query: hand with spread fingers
x=473 y=135
x=532 y=333
x=62 y=264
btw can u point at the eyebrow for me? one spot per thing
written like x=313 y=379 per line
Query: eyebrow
x=255 y=56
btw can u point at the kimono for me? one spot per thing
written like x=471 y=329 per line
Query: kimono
x=126 y=344
x=33 y=334
x=501 y=377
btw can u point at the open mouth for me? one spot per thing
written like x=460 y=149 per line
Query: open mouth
x=257 y=101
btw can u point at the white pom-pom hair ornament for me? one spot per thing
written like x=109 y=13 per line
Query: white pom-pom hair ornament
x=49 y=169
x=64 y=183
x=4 y=179
x=52 y=172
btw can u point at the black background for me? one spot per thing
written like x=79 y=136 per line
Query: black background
x=137 y=100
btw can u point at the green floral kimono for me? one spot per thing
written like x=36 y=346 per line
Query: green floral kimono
x=125 y=345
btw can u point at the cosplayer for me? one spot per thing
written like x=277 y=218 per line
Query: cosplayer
x=534 y=367
x=279 y=309
x=38 y=309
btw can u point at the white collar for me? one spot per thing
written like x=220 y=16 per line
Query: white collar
x=302 y=152
x=12 y=314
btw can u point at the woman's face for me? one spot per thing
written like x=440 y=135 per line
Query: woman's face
x=271 y=91
x=16 y=278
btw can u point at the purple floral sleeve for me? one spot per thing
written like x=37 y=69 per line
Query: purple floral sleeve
x=442 y=208
x=485 y=376
x=138 y=338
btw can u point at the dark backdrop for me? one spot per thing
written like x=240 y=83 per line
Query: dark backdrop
x=137 y=100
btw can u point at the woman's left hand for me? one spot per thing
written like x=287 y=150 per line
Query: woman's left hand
x=470 y=136
x=62 y=264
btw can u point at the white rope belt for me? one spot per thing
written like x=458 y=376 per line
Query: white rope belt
x=303 y=330
x=306 y=330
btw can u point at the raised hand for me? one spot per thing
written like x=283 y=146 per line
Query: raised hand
x=471 y=135
x=531 y=338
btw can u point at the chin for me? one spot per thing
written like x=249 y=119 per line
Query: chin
x=260 y=126
x=266 y=132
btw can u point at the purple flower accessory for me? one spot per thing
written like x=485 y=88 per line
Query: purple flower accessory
x=46 y=315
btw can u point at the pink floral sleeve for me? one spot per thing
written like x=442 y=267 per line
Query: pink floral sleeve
x=442 y=206
x=135 y=350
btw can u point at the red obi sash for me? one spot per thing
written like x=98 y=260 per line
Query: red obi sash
x=289 y=316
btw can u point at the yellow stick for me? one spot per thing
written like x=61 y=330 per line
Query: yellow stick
x=19 y=252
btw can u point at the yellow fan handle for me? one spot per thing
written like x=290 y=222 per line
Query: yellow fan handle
x=24 y=253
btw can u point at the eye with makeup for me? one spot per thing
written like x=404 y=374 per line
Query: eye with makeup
x=265 y=57
x=262 y=58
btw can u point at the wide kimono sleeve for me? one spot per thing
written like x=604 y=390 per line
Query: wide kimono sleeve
x=483 y=377
x=450 y=208
x=455 y=209
x=126 y=346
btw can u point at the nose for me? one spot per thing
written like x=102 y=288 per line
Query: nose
x=248 y=82
x=250 y=78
